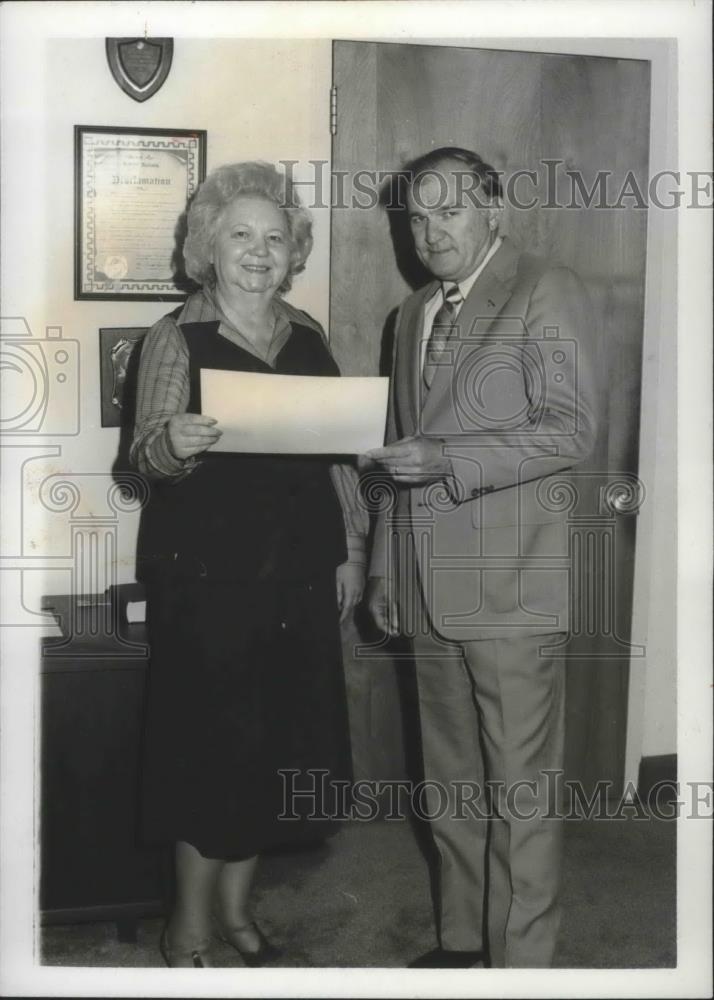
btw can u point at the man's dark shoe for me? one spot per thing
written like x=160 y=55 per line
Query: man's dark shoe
x=442 y=958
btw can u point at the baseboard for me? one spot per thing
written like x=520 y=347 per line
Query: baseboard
x=124 y=915
x=658 y=772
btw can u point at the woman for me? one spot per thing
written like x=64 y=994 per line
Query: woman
x=249 y=561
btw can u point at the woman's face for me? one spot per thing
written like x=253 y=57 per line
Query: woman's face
x=251 y=248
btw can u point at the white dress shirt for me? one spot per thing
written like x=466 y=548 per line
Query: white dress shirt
x=436 y=301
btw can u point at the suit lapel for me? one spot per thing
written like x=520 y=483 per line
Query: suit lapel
x=409 y=393
x=490 y=292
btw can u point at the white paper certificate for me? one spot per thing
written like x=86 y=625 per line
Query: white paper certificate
x=295 y=414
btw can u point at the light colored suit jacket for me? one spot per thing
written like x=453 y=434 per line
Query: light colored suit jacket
x=513 y=399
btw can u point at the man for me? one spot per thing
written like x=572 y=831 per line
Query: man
x=492 y=393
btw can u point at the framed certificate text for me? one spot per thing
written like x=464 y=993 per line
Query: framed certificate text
x=131 y=190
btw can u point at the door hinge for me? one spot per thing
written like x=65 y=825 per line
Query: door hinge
x=333 y=110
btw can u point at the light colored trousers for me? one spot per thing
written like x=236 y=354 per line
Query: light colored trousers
x=495 y=707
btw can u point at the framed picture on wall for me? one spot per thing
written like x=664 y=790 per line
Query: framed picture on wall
x=132 y=186
x=119 y=350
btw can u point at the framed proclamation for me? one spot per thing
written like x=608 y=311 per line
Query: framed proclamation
x=132 y=186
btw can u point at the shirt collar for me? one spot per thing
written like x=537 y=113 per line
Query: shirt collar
x=203 y=307
x=211 y=311
x=466 y=284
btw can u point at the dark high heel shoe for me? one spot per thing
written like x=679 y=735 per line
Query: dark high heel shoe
x=194 y=956
x=266 y=952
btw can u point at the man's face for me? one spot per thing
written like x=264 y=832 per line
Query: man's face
x=451 y=233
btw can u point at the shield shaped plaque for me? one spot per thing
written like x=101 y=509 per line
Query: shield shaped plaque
x=140 y=65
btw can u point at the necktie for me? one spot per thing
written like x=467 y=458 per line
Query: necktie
x=441 y=329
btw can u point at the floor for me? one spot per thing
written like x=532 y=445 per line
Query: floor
x=362 y=899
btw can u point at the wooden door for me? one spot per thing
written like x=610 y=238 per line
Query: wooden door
x=517 y=110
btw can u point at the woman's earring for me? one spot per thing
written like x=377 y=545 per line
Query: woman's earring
x=492 y=223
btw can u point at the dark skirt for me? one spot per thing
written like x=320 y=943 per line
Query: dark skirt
x=245 y=705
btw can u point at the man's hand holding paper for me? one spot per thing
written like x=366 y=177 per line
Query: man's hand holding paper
x=414 y=460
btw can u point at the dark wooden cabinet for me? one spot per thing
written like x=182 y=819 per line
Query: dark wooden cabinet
x=93 y=865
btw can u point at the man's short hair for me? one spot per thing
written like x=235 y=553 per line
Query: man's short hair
x=486 y=176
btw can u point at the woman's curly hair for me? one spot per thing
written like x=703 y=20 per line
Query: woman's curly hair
x=224 y=185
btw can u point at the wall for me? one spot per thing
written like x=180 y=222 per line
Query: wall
x=653 y=680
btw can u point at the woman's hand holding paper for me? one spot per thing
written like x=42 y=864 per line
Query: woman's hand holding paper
x=191 y=433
